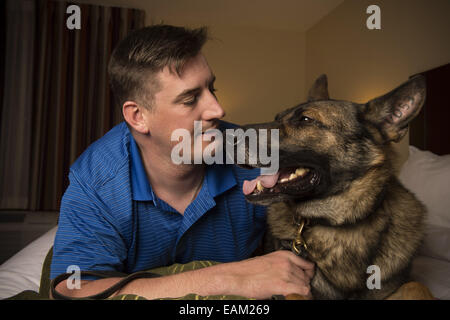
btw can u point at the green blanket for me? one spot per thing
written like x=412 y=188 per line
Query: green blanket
x=44 y=287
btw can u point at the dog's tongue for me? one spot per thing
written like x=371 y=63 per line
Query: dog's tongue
x=249 y=186
x=267 y=181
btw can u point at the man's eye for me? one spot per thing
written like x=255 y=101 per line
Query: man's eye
x=191 y=101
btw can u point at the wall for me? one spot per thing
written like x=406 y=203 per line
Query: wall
x=260 y=71
x=362 y=64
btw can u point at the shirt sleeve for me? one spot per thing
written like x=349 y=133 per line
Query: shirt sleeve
x=87 y=236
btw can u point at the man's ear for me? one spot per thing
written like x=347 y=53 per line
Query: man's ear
x=319 y=90
x=392 y=112
x=135 y=117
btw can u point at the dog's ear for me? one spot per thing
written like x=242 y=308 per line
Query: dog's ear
x=319 y=90
x=392 y=112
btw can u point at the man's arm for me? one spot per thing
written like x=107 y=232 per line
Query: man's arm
x=279 y=272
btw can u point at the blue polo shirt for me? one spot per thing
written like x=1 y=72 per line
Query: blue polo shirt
x=110 y=219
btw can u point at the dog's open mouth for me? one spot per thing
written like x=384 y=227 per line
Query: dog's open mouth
x=290 y=181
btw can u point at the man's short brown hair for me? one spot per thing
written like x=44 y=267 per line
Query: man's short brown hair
x=143 y=53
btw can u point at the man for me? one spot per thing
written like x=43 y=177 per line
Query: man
x=129 y=207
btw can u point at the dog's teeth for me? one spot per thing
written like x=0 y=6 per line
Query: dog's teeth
x=259 y=186
x=301 y=171
x=292 y=176
x=284 y=180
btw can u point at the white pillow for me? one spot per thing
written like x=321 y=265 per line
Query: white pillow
x=427 y=175
x=433 y=273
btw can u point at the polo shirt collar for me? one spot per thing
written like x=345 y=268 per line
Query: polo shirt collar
x=220 y=177
x=140 y=186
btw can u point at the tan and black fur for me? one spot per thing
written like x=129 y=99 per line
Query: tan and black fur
x=359 y=213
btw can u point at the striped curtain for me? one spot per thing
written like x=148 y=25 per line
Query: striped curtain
x=67 y=102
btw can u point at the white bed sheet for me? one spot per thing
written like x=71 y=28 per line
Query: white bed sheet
x=23 y=270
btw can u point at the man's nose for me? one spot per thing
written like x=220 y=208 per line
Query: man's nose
x=213 y=110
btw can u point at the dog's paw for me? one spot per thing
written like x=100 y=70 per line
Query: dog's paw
x=412 y=291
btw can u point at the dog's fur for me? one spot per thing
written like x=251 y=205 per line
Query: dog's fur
x=360 y=214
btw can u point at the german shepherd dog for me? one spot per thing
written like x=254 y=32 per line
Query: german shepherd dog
x=336 y=200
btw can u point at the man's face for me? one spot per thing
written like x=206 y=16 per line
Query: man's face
x=182 y=100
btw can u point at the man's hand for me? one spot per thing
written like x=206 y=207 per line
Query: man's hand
x=279 y=273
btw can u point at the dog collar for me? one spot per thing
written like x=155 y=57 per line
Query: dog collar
x=298 y=243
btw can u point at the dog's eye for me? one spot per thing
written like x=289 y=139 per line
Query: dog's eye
x=306 y=119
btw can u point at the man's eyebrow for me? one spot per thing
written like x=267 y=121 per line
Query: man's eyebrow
x=189 y=92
